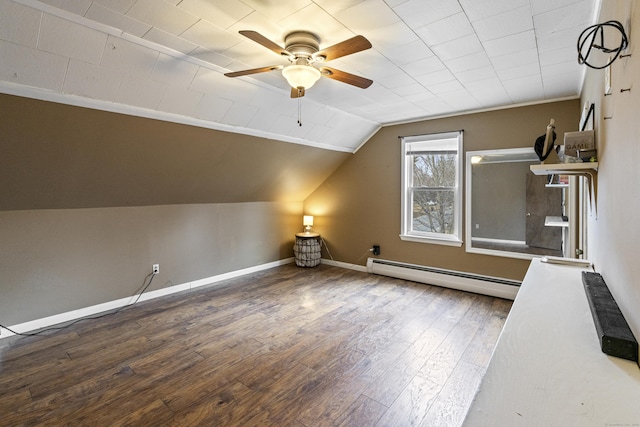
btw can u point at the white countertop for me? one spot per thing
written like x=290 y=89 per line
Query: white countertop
x=548 y=369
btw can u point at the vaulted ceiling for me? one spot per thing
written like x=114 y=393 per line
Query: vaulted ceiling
x=166 y=59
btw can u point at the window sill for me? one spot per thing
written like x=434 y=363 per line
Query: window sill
x=432 y=240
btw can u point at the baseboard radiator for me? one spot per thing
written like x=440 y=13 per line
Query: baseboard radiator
x=485 y=285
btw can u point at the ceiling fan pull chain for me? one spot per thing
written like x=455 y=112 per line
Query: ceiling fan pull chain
x=299 y=111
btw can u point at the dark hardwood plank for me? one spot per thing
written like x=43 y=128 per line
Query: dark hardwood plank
x=397 y=377
x=362 y=412
x=284 y=347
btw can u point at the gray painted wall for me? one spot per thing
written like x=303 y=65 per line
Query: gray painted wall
x=57 y=260
x=89 y=200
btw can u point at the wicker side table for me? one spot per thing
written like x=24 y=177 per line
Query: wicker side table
x=307 y=249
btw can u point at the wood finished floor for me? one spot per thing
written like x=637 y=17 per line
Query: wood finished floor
x=285 y=347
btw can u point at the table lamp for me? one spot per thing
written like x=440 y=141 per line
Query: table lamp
x=307 y=221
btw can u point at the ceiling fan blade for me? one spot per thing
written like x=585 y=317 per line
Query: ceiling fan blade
x=347 y=47
x=260 y=39
x=253 y=71
x=297 y=92
x=345 y=77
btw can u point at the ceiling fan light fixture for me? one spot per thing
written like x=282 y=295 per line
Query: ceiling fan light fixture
x=303 y=76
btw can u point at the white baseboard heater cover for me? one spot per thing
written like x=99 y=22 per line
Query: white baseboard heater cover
x=485 y=285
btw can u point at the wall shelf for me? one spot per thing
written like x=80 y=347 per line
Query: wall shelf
x=565 y=168
x=555 y=221
x=589 y=170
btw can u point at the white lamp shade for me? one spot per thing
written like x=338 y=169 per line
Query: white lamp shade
x=301 y=75
x=307 y=220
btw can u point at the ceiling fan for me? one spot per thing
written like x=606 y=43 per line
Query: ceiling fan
x=302 y=50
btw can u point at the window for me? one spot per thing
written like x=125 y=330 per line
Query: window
x=432 y=188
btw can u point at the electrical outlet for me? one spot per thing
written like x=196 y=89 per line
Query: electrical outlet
x=376 y=249
x=156 y=268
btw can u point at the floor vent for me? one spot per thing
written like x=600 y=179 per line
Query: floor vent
x=485 y=285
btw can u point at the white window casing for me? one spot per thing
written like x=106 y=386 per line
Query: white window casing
x=432 y=209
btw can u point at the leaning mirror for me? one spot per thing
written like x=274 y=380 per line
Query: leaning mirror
x=507 y=206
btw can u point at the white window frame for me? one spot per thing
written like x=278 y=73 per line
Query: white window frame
x=407 y=233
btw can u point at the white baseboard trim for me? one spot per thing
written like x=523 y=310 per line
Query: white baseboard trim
x=69 y=316
x=344 y=265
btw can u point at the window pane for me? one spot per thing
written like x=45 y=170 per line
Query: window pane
x=434 y=170
x=433 y=211
x=431 y=197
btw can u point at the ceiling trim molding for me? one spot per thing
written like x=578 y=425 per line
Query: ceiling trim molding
x=112 y=107
x=113 y=31
x=481 y=110
x=365 y=140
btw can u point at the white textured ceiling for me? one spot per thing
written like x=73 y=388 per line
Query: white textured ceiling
x=166 y=59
